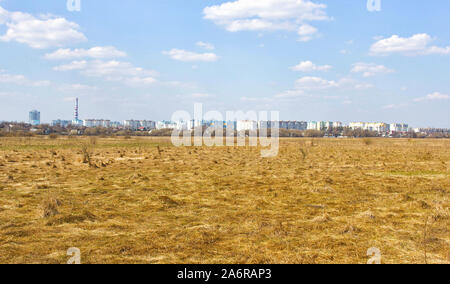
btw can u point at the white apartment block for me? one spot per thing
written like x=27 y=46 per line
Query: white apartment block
x=131 y=124
x=323 y=125
x=313 y=125
x=269 y=124
x=244 y=125
x=398 y=127
x=147 y=124
x=96 y=123
x=139 y=124
x=379 y=127
x=166 y=125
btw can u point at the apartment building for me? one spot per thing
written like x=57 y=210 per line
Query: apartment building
x=398 y=127
x=379 y=127
x=244 y=125
x=96 y=123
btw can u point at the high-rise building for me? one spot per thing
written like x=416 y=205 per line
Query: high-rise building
x=90 y=123
x=246 y=125
x=398 y=127
x=379 y=127
x=139 y=124
x=61 y=123
x=35 y=117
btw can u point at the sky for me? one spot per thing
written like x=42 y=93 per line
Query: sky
x=310 y=60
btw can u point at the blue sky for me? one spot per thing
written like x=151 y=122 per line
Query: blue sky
x=310 y=60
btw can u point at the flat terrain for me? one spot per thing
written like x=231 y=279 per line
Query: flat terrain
x=141 y=200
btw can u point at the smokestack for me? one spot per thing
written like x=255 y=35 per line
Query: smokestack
x=76 y=109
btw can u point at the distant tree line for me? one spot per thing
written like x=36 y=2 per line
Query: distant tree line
x=15 y=129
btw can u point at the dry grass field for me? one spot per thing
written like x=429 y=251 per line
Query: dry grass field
x=141 y=200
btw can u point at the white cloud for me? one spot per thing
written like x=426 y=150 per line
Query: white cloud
x=370 y=69
x=436 y=96
x=315 y=83
x=74 y=65
x=418 y=44
x=205 y=45
x=306 y=32
x=112 y=71
x=77 y=88
x=347 y=102
x=6 y=78
x=188 y=56
x=290 y=94
x=140 y=81
x=268 y=15
x=97 y=52
x=44 y=83
x=253 y=99
x=40 y=33
x=391 y=106
x=202 y=96
x=307 y=86
x=3 y=16
x=363 y=86
x=308 y=66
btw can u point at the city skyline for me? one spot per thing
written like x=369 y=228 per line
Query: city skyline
x=310 y=60
x=35 y=119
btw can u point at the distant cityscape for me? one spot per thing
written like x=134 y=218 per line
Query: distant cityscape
x=383 y=129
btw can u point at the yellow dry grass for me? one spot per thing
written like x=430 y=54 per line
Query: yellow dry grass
x=141 y=200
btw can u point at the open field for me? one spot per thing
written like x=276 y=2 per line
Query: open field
x=141 y=200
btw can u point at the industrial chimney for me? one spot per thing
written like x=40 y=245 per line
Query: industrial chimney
x=76 y=109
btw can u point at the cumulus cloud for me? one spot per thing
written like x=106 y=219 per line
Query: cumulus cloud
x=315 y=83
x=370 y=69
x=74 y=65
x=77 y=88
x=436 y=96
x=112 y=71
x=205 y=45
x=202 y=96
x=188 y=56
x=290 y=94
x=40 y=33
x=306 y=32
x=268 y=15
x=6 y=78
x=415 y=45
x=97 y=52
x=307 y=86
x=254 y=99
x=308 y=66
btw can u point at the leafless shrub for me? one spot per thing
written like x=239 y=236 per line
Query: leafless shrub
x=53 y=136
x=93 y=140
x=50 y=207
x=304 y=153
x=159 y=151
x=324 y=218
x=86 y=150
x=368 y=141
